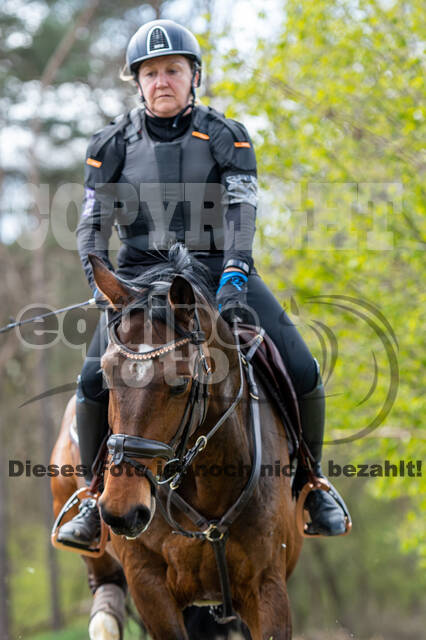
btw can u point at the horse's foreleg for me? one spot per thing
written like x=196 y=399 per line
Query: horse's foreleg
x=249 y=613
x=107 y=613
x=156 y=606
x=104 y=570
x=108 y=584
x=160 y=615
x=267 y=612
x=274 y=610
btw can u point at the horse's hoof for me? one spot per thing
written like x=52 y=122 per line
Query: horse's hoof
x=104 y=626
x=108 y=612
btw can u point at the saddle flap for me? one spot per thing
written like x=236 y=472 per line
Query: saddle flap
x=272 y=372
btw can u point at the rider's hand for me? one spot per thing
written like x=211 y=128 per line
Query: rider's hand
x=231 y=296
x=100 y=300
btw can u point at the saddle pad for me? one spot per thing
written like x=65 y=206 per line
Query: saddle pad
x=272 y=373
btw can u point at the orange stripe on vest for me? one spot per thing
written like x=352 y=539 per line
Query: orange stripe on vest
x=94 y=163
x=242 y=144
x=198 y=134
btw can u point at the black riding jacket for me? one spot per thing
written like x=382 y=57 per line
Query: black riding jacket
x=194 y=183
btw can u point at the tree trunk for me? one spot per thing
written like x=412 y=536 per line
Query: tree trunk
x=4 y=562
x=8 y=348
x=39 y=281
x=41 y=384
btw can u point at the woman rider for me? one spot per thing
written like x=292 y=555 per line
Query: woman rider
x=176 y=145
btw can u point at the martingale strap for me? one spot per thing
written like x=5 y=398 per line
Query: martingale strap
x=217 y=531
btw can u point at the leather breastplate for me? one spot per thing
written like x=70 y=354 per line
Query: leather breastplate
x=170 y=191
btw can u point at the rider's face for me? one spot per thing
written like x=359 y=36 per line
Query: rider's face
x=166 y=84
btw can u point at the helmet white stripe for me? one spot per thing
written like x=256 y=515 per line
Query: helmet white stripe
x=160 y=45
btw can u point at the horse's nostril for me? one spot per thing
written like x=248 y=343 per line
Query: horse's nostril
x=129 y=524
x=109 y=518
x=142 y=515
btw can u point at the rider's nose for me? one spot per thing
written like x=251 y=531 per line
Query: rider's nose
x=161 y=80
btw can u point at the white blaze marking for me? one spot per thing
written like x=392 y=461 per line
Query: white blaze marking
x=143 y=369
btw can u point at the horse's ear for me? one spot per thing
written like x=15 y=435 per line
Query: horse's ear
x=182 y=299
x=114 y=290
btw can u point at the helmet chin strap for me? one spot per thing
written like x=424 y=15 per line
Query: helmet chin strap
x=182 y=111
x=192 y=103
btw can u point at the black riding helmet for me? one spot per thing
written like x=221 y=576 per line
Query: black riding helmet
x=162 y=38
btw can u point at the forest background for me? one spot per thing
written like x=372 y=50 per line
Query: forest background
x=332 y=93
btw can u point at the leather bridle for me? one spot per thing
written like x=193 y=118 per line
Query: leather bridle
x=123 y=447
x=126 y=448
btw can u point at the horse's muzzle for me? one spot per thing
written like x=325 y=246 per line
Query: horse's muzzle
x=131 y=524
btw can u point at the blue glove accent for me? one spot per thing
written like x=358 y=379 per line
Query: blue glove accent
x=236 y=278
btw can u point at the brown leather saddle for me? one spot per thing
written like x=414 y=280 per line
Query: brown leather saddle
x=269 y=367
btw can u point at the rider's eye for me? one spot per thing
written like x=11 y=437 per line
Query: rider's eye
x=179 y=386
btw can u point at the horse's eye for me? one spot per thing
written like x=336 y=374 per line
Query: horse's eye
x=179 y=386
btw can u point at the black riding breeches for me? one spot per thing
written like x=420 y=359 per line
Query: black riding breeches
x=297 y=358
x=91 y=380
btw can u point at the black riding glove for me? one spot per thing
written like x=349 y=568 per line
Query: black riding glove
x=231 y=296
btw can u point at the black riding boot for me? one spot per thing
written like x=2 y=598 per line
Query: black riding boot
x=92 y=425
x=327 y=517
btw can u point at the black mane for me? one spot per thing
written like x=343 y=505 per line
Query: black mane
x=154 y=283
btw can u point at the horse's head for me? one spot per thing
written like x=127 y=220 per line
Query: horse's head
x=157 y=367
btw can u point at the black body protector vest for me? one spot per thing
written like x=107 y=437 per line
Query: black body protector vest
x=172 y=191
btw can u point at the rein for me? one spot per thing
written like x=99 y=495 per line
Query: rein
x=125 y=448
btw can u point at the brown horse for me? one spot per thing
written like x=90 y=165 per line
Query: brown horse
x=152 y=365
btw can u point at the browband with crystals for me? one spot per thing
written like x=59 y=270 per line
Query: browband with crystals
x=195 y=337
